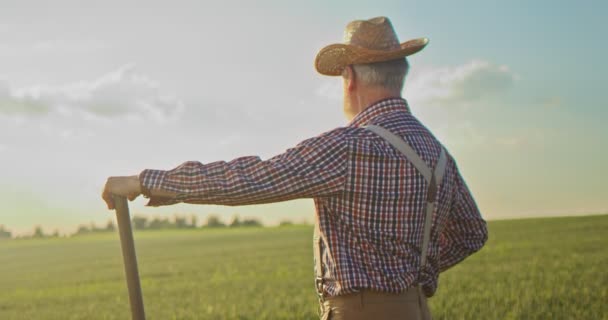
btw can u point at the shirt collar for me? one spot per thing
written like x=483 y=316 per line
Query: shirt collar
x=379 y=108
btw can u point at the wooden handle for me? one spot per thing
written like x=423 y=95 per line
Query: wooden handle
x=129 y=257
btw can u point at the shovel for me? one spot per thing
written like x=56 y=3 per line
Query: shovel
x=129 y=257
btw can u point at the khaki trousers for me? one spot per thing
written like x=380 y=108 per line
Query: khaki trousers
x=364 y=305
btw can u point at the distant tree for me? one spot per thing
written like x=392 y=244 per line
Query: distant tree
x=236 y=222
x=214 y=221
x=110 y=226
x=193 y=221
x=159 y=223
x=55 y=234
x=251 y=222
x=5 y=234
x=139 y=222
x=82 y=229
x=180 y=222
x=285 y=223
x=38 y=233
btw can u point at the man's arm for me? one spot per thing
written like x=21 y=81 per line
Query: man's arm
x=314 y=168
x=465 y=231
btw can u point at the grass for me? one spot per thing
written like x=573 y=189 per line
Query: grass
x=552 y=268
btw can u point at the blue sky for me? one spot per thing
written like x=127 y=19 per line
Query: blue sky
x=513 y=89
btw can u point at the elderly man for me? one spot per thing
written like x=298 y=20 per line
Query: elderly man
x=392 y=210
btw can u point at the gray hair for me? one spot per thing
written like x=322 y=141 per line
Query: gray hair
x=387 y=74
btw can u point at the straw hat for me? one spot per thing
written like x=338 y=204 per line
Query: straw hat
x=365 y=41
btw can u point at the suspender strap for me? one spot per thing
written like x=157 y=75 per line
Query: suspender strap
x=318 y=264
x=404 y=148
x=319 y=240
x=432 y=177
x=430 y=205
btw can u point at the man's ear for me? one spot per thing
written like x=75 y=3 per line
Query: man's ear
x=350 y=78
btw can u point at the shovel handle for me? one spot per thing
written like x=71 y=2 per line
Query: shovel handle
x=129 y=257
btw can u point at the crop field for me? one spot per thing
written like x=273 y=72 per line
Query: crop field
x=553 y=268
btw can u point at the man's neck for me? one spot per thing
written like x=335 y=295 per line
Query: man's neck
x=363 y=100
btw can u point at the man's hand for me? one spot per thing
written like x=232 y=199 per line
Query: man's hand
x=121 y=186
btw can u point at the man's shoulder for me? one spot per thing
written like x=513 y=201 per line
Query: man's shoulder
x=339 y=138
x=347 y=134
x=402 y=124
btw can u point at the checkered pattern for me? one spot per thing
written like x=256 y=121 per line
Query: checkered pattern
x=370 y=200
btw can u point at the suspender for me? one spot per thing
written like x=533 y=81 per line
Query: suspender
x=318 y=263
x=433 y=179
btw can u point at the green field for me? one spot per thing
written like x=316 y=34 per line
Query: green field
x=530 y=269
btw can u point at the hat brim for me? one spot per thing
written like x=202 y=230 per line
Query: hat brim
x=332 y=59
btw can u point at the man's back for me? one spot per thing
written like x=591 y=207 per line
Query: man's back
x=374 y=227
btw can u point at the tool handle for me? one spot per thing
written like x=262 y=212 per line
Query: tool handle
x=129 y=257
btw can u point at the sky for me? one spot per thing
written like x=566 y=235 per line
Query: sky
x=514 y=89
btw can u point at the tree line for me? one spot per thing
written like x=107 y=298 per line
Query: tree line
x=141 y=222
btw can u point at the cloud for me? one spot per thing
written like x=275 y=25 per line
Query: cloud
x=460 y=134
x=460 y=85
x=122 y=93
x=526 y=137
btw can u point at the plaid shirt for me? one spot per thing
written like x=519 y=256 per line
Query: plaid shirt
x=370 y=200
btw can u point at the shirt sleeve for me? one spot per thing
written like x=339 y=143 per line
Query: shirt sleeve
x=465 y=231
x=314 y=168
